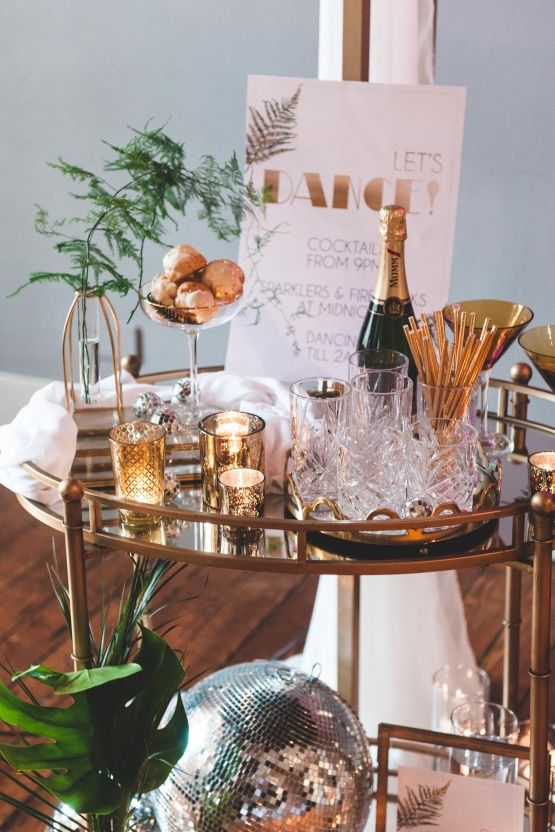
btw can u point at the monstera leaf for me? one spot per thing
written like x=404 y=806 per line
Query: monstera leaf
x=107 y=745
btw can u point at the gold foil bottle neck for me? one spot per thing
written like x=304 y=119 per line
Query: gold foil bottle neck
x=393 y=224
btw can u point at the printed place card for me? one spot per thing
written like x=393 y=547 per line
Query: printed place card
x=433 y=801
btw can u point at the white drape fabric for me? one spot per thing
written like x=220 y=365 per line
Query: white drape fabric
x=401 y=41
x=410 y=625
x=44 y=432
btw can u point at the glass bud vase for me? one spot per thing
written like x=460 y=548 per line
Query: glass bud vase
x=88 y=326
x=86 y=314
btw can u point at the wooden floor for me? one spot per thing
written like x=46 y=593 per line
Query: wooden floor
x=221 y=617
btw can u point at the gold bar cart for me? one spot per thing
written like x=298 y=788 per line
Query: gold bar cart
x=90 y=524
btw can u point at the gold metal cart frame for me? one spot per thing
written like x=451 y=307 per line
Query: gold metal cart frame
x=534 y=556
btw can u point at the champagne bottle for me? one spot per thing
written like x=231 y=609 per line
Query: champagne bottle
x=390 y=304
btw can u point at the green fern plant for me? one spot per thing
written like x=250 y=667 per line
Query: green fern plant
x=120 y=218
x=422 y=809
x=271 y=130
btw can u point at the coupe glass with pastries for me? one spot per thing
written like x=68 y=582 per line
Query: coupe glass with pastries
x=191 y=294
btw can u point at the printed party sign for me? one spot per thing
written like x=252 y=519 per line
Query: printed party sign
x=328 y=155
x=431 y=800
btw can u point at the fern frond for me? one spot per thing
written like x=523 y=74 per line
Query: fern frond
x=271 y=132
x=424 y=808
x=118 y=221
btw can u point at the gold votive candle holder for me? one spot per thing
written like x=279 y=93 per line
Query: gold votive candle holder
x=242 y=495
x=228 y=439
x=541 y=471
x=138 y=453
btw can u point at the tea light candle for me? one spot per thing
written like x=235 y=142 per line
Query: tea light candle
x=242 y=495
x=228 y=439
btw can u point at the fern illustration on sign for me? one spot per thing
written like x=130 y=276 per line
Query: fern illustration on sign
x=271 y=129
x=422 y=809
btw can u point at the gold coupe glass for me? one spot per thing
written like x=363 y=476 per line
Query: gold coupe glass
x=509 y=320
x=539 y=345
x=138 y=452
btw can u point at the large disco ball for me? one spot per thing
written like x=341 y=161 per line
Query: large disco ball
x=270 y=749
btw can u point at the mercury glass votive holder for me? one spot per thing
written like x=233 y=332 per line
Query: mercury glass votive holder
x=228 y=439
x=138 y=453
x=542 y=472
x=242 y=495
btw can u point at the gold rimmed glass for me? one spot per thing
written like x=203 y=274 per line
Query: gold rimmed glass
x=509 y=320
x=539 y=345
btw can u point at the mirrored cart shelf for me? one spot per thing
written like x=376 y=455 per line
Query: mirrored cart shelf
x=318 y=545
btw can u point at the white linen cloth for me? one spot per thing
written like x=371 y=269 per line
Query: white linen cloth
x=265 y=397
x=44 y=432
x=410 y=624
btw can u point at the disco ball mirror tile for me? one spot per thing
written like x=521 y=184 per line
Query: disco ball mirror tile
x=270 y=749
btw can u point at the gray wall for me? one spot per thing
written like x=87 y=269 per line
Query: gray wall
x=503 y=52
x=74 y=73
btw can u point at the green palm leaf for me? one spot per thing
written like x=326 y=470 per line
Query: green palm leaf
x=107 y=744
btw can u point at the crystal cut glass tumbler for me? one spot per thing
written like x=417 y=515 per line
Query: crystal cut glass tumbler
x=380 y=358
x=319 y=409
x=382 y=398
x=437 y=402
x=371 y=473
x=442 y=458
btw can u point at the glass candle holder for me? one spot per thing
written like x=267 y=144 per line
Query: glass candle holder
x=542 y=472
x=492 y=722
x=454 y=686
x=138 y=452
x=242 y=495
x=228 y=439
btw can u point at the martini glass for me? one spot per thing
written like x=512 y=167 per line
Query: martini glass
x=539 y=345
x=509 y=320
x=191 y=321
